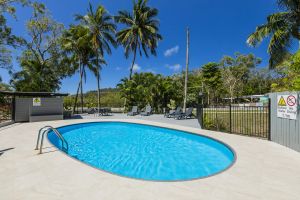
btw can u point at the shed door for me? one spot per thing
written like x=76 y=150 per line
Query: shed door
x=22 y=109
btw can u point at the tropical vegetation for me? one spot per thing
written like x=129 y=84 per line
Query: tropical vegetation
x=141 y=32
x=52 y=52
x=228 y=78
x=76 y=43
x=7 y=39
x=43 y=62
x=101 y=31
x=282 y=28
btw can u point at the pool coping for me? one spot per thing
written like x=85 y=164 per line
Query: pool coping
x=160 y=126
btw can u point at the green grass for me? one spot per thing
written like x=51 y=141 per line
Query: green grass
x=245 y=122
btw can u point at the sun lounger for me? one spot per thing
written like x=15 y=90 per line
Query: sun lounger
x=91 y=111
x=134 y=111
x=185 y=115
x=147 y=112
x=173 y=113
x=105 y=111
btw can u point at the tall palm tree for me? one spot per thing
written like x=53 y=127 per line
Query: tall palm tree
x=282 y=28
x=141 y=30
x=102 y=31
x=77 y=42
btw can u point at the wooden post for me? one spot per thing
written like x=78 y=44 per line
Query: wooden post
x=186 y=68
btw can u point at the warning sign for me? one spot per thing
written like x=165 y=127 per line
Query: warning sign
x=291 y=100
x=36 y=102
x=281 y=101
x=287 y=106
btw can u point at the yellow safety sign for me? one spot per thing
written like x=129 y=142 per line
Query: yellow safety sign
x=281 y=102
x=287 y=106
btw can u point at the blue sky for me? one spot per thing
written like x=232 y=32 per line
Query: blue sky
x=218 y=28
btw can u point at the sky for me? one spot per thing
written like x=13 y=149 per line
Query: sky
x=217 y=28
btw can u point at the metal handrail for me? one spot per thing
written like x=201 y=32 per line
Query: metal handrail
x=55 y=131
x=39 y=135
x=62 y=139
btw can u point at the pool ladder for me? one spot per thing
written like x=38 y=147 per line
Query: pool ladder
x=46 y=130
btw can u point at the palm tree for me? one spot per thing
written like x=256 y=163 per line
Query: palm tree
x=76 y=42
x=101 y=30
x=281 y=27
x=141 y=32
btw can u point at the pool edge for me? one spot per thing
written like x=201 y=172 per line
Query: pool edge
x=147 y=180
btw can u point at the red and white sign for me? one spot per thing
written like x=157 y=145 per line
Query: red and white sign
x=287 y=106
x=291 y=100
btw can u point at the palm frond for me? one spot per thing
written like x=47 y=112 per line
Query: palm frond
x=274 y=22
x=278 y=47
x=141 y=31
x=289 y=4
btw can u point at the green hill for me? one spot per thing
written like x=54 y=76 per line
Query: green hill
x=110 y=97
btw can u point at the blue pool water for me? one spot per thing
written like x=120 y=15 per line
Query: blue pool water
x=145 y=152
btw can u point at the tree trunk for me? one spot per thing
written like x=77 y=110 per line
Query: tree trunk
x=81 y=88
x=133 y=62
x=76 y=97
x=208 y=97
x=231 y=95
x=130 y=74
x=98 y=83
x=79 y=84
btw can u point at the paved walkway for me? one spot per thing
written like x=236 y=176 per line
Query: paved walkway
x=154 y=118
x=263 y=171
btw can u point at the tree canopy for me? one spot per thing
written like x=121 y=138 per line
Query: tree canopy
x=281 y=28
x=43 y=62
x=52 y=52
x=7 y=39
x=101 y=31
x=141 y=32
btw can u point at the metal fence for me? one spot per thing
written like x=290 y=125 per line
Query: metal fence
x=237 y=119
x=6 y=109
x=285 y=131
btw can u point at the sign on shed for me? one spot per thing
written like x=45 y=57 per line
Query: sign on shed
x=287 y=106
x=36 y=102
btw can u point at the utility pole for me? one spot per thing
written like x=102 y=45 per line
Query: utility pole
x=186 y=67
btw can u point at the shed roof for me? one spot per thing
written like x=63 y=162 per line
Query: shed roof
x=34 y=94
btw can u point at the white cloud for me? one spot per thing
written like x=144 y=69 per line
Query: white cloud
x=118 y=68
x=174 y=68
x=136 y=68
x=171 y=51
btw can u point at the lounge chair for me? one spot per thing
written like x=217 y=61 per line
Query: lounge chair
x=91 y=111
x=147 y=111
x=134 y=111
x=185 y=115
x=168 y=112
x=105 y=111
x=173 y=113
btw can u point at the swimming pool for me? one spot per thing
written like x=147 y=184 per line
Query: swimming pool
x=145 y=152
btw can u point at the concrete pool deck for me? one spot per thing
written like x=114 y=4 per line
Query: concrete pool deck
x=263 y=170
x=155 y=118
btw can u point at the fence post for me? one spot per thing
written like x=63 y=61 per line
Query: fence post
x=230 y=131
x=269 y=118
x=200 y=111
x=202 y=116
